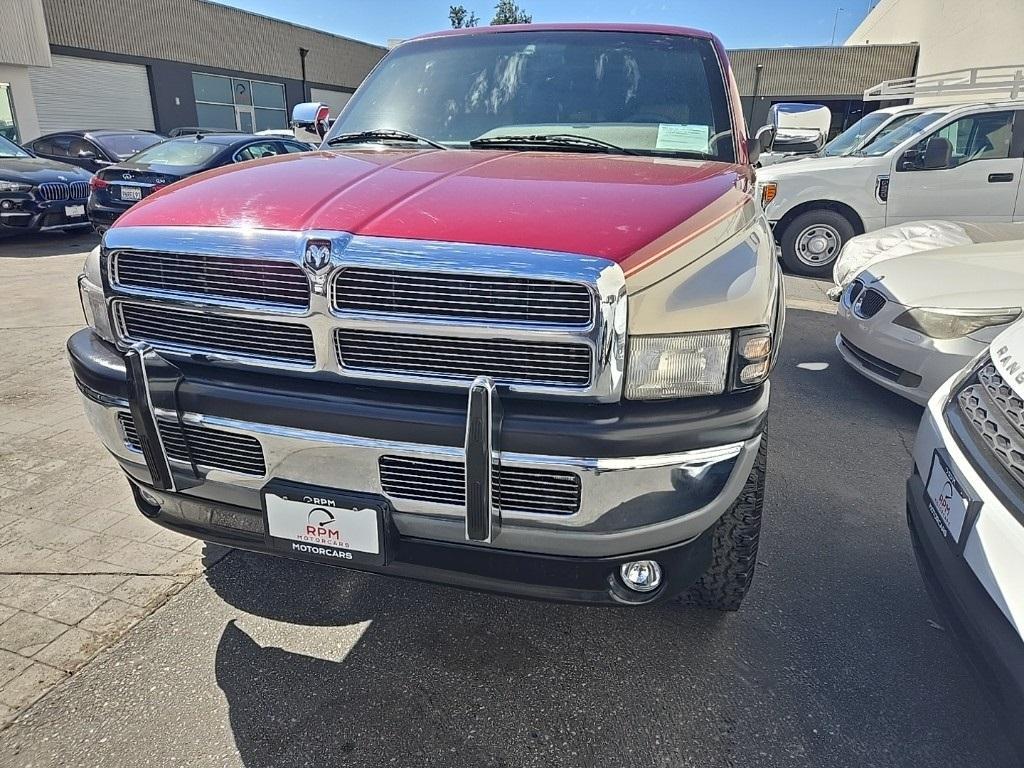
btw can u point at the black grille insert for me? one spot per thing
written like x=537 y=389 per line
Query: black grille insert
x=210 y=447
x=518 y=489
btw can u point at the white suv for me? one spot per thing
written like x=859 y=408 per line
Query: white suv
x=965 y=506
x=957 y=162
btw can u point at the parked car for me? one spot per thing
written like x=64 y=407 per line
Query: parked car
x=39 y=194
x=93 y=150
x=965 y=508
x=909 y=323
x=504 y=333
x=874 y=125
x=117 y=188
x=958 y=163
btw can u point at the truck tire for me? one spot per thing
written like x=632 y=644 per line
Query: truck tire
x=734 y=546
x=811 y=242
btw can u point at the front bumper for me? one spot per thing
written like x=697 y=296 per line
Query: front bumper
x=31 y=215
x=896 y=358
x=653 y=477
x=979 y=589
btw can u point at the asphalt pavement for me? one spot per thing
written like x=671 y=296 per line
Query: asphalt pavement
x=837 y=658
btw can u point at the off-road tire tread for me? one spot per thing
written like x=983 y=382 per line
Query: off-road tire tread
x=734 y=546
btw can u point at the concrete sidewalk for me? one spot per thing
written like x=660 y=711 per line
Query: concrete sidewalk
x=78 y=565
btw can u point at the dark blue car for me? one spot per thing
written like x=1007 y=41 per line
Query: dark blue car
x=117 y=188
x=37 y=194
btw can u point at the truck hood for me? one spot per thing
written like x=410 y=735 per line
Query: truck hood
x=810 y=165
x=988 y=275
x=598 y=205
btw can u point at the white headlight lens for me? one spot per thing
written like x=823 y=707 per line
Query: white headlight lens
x=686 y=365
x=14 y=186
x=953 y=324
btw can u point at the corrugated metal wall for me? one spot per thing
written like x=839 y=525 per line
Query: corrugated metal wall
x=23 y=33
x=826 y=72
x=209 y=35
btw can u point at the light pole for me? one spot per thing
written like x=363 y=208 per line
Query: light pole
x=302 y=59
x=835 y=24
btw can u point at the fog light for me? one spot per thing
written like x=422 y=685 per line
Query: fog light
x=641 y=575
x=149 y=498
x=6 y=204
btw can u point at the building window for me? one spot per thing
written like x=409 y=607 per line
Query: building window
x=8 y=125
x=231 y=103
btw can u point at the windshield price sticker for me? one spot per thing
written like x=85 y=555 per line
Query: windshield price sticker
x=683 y=138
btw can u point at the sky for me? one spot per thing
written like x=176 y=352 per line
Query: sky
x=739 y=23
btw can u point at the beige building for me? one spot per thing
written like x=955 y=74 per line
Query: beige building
x=951 y=34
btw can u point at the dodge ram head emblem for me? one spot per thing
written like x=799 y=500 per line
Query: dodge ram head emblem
x=316 y=260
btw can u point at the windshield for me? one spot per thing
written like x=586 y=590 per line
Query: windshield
x=10 y=149
x=124 y=145
x=657 y=94
x=178 y=152
x=906 y=131
x=850 y=139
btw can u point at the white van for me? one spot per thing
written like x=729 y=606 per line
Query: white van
x=962 y=162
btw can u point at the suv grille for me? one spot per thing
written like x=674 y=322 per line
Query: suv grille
x=79 y=190
x=210 y=447
x=472 y=297
x=54 y=190
x=869 y=304
x=559 y=365
x=258 y=281
x=997 y=415
x=518 y=489
x=265 y=340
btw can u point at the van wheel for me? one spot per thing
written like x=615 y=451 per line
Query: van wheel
x=811 y=242
x=734 y=546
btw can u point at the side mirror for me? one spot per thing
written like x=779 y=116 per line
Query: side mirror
x=799 y=128
x=938 y=153
x=761 y=142
x=311 y=116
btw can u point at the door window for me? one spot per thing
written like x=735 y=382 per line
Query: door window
x=8 y=125
x=291 y=148
x=256 y=151
x=982 y=136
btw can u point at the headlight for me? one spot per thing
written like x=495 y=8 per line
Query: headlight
x=695 y=364
x=954 y=323
x=14 y=186
x=90 y=292
x=768 y=192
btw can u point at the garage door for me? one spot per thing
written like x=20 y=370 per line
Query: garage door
x=86 y=93
x=334 y=99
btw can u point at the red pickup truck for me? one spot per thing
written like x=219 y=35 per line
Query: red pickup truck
x=510 y=328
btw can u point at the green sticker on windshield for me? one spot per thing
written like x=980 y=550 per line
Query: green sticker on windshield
x=677 y=137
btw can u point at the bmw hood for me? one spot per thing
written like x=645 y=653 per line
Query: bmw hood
x=37 y=170
x=983 y=276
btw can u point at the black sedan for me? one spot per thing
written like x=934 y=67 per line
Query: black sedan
x=39 y=194
x=117 y=188
x=93 y=150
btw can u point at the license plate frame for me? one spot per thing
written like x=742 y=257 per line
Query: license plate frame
x=74 y=211
x=951 y=503
x=348 y=513
x=130 y=194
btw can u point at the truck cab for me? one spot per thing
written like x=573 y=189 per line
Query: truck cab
x=511 y=327
x=960 y=162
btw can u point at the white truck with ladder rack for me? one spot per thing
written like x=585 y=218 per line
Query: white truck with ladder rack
x=962 y=162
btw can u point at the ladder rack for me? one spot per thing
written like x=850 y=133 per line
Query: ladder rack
x=1004 y=82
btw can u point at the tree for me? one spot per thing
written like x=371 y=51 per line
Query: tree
x=509 y=12
x=460 y=17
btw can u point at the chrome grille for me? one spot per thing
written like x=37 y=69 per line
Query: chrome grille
x=471 y=297
x=261 y=340
x=258 y=281
x=869 y=303
x=853 y=291
x=210 y=448
x=997 y=414
x=79 y=190
x=54 y=190
x=505 y=360
x=518 y=489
